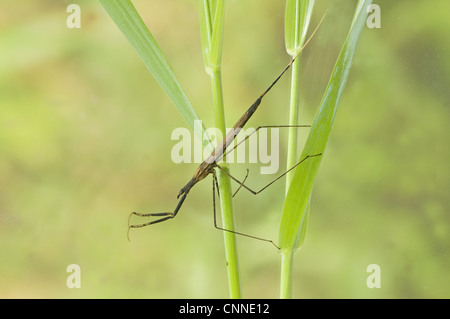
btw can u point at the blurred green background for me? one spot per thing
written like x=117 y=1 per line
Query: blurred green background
x=85 y=140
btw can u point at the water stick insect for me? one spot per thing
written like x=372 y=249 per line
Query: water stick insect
x=211 y=163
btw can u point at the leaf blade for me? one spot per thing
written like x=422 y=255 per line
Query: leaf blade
x=297 y=198
x=128 y=20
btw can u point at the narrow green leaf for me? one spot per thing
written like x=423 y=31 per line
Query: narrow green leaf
x=301 y=234
x=125 y=16
x=302 y=183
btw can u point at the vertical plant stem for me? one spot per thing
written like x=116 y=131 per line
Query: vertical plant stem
x=298 y=15
x=211 y=22
x=286 y=257
x=226 y=204
x=286 y=274
x=292 y=157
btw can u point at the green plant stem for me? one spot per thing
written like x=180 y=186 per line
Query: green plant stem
x=226 y=204
x=298 y=15
x=292 y=156
x=292 y=159
x=286 y=274
x=211 y=27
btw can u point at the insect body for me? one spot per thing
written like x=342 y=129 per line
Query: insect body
x=210 y=164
